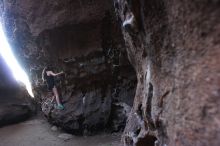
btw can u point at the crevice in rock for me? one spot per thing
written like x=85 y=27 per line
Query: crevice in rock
x=137 y=131
x=148 y=107
x=148 y=140
x=140 y=112
x=161 y=99
x=128 y=141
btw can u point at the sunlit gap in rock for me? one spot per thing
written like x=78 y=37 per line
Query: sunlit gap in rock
x=18 y=73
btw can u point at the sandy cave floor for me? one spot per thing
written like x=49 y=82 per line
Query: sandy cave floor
x=37 y=132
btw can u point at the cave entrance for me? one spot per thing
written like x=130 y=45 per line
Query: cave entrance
x=9 y=58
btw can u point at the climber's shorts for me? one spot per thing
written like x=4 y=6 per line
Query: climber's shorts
x=50 y=87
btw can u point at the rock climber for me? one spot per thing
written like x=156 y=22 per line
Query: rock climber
x=48 y=76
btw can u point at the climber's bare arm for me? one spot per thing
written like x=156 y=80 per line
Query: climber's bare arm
x=43 y=74
x=54 y=74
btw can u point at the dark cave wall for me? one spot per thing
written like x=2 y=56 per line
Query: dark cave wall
x=24 y=26
x=71 y=40
x=174 y=47
x=83 y=39
x=55 y=13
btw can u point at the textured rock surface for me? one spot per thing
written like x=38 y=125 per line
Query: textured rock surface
x=83 y=39
x=55 y=13
x=174 y=47
x=89 y=91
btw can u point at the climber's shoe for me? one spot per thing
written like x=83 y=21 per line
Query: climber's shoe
x=60 y=107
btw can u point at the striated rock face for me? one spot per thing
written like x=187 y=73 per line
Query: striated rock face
x=174 y=47
x=83 y=39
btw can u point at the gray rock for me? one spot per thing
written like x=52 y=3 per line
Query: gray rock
x=54 y=128
x=65 y=136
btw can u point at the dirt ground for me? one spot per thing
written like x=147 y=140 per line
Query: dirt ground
x=37 y=132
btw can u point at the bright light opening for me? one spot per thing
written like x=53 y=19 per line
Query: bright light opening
x=18 y=73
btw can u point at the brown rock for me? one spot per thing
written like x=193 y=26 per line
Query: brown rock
x=174 y=51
